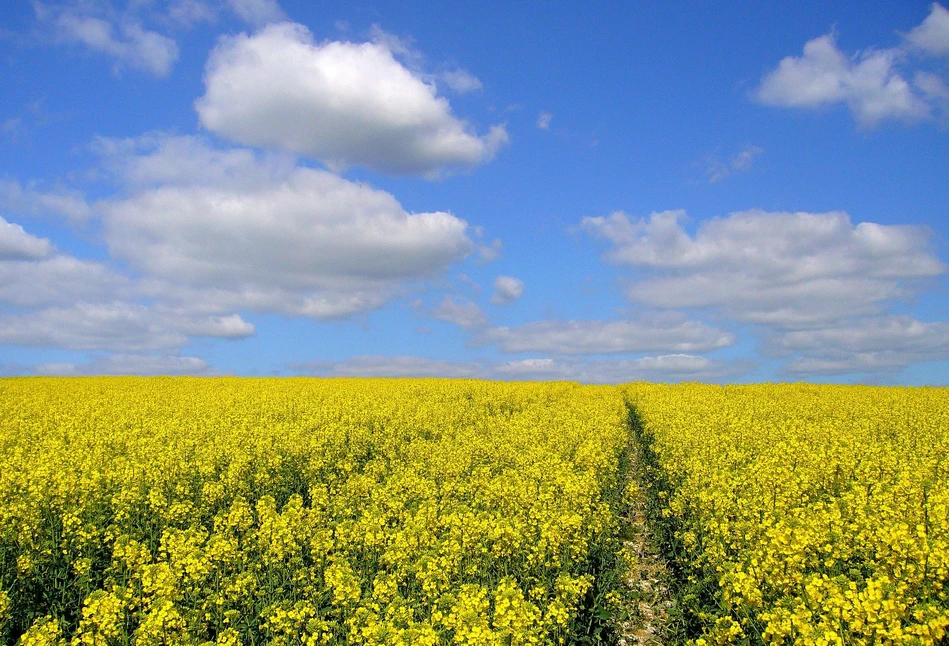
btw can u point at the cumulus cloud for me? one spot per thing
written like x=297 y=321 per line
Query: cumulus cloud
x=507 y=289
x=876 y=84
x=461 y=312
x=128 y=364
x=668 y=333
x=242 y=232
x=122 y=38
x=343 y=103
x=869 y=83
x=932 y=36
x=783 y=269
x=115 y=326
x=17 y=244
x=543 y=120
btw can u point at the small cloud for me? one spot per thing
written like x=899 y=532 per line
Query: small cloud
x=257 y=12
x=507 y=289
x=543 y=120
x=128 y=364
x=460 y=81
x=739 y=163
x=489 y=252
x=124 y=39
x=670 y=333
x=467 y=280
x=932 y=36
x=463 y=313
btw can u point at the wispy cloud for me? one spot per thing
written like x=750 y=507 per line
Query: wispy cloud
x=740 y=162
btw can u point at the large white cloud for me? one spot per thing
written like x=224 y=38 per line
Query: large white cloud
x=668 y=333
x=782 y=269
x=115 y=326
x=245 y=231
x=342 y=103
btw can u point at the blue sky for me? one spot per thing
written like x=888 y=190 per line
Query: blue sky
x=724 y=192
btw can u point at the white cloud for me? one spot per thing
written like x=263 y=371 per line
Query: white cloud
x=868 y=83
x=58 y=280
x=115 y=326
x=233 y=229
x=872 y=344
x=669 y=367
x=128 y=364
x=121 y=38
x=897 y=333
x=675 y=367
x=28 y=200
x=190 y=12
x=463 y=313
x=507 y=289
x=781 y=269
x=343 y=103
x=17 y=244
x=741 y=162
x=460 y=81
x=490 y=252
x=669 y=333
x=257 y=12
x=543 y=120
x=932 y=36
x=397 y=366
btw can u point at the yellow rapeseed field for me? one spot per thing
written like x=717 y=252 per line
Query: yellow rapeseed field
x=803 y=514
x=154 y=511
x=300 y=511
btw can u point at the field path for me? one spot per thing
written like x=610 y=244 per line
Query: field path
x=648 y=602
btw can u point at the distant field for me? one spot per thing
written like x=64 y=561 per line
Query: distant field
x=346 y=511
